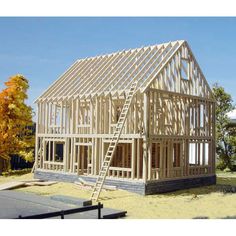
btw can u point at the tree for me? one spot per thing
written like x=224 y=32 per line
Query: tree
x=16 y=119
x=225 y=134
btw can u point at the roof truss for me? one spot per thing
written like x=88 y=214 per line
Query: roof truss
x=114 y=73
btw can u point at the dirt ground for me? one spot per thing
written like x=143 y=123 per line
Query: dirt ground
x=184 y=204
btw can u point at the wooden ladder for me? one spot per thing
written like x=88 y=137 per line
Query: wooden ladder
x=112 y=146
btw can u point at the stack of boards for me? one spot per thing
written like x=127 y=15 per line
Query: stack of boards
x=86 y=184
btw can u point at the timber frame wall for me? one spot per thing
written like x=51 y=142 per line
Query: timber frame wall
x=170 y=128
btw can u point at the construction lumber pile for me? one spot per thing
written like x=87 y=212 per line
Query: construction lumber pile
x=89 y=185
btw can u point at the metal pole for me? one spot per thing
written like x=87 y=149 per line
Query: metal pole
x=62 y=214
x=99 y=210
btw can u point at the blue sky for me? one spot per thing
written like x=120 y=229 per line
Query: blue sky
x=43 y=48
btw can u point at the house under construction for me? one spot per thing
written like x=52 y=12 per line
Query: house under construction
x=151 y=108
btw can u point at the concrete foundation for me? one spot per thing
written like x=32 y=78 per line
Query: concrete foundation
x=151 y=187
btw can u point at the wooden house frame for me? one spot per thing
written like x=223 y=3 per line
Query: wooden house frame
x=168 y=139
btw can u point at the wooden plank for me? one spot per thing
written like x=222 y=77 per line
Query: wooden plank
x=88 y=183
x=11 y=185
x=47 y=183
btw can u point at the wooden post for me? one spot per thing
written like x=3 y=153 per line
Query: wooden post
x=149 y=159
x=71 y=154
x=97 y=116
x=138 y=158
x=91 y=116
x=65 y=147
x=170 y=158
x=72 y=120
x=146 y=135
x=110 y=113
x=46 y=118
x=133 y=158
x=161 y=161
x=61 y=120
x=66 y=117
x=44 y=152
x=49 y=151
x=78 y=159
x=164 y=157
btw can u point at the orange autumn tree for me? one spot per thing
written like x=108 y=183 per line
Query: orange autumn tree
x=15 y=120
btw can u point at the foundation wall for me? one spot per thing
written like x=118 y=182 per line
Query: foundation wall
x=138 y=187
x=178 y=184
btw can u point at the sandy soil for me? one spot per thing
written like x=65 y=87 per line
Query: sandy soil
x=185 y=204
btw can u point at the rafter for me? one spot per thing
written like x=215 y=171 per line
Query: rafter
x=114 y=73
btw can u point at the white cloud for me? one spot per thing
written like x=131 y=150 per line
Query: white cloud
x=232 y=114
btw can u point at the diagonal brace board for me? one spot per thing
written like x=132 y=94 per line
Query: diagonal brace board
x=112 y=146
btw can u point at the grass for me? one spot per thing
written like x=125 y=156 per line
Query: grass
x=184 y=204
